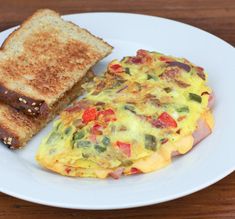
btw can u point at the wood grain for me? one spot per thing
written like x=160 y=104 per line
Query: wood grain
x=215 y=202
x=215 y=16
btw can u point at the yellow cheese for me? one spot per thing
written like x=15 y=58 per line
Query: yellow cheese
x=163 y=157
x=184 y=144
x=151 y=163
x=209 y=119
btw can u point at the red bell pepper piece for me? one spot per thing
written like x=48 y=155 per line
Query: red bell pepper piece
x=166 y=120
x=89 y=114
x=67 y=170
x=124 y=147
x=115 y=68
x=165 y=59
x=135 y=171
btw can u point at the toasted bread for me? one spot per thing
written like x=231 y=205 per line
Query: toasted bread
x=17 y=128
x=43 y=59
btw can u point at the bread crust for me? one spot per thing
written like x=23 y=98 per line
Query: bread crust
x=12 y=120
x=23 y=24
x=23 y=103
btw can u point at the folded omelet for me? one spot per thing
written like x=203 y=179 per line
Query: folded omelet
x=143 y=111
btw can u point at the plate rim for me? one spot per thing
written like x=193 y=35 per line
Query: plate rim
x=132 y=205
x=145 y=15
x=137 y=204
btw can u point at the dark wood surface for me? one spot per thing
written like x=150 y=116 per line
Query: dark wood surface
x=214 y=16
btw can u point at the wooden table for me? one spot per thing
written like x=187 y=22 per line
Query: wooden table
x=215 y=16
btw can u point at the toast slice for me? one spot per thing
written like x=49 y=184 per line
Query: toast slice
x=17 y=128
x=43 y=59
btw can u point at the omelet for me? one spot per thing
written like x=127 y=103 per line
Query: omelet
x=141 y=112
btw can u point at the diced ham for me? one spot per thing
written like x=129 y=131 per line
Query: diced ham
x=157 y=123
x=200 y=73
x=99 y=87
x=170 y=74
x=175 y=153
x=135 y=60
x=181 y=83
x=97 y=129
x=77 y=106
x=141 y=57
x=180 y=65
x=202 y=131
x=211 y=101
x=153 y=99
x=92 y=138
x=117 y=173
x=124 y=147
x=142 y=53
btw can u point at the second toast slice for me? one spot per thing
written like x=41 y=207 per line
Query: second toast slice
x=17 y=128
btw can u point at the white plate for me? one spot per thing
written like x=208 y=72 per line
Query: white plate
x=210 y=161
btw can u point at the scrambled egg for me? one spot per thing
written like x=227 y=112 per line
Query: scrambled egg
x=132 y=120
